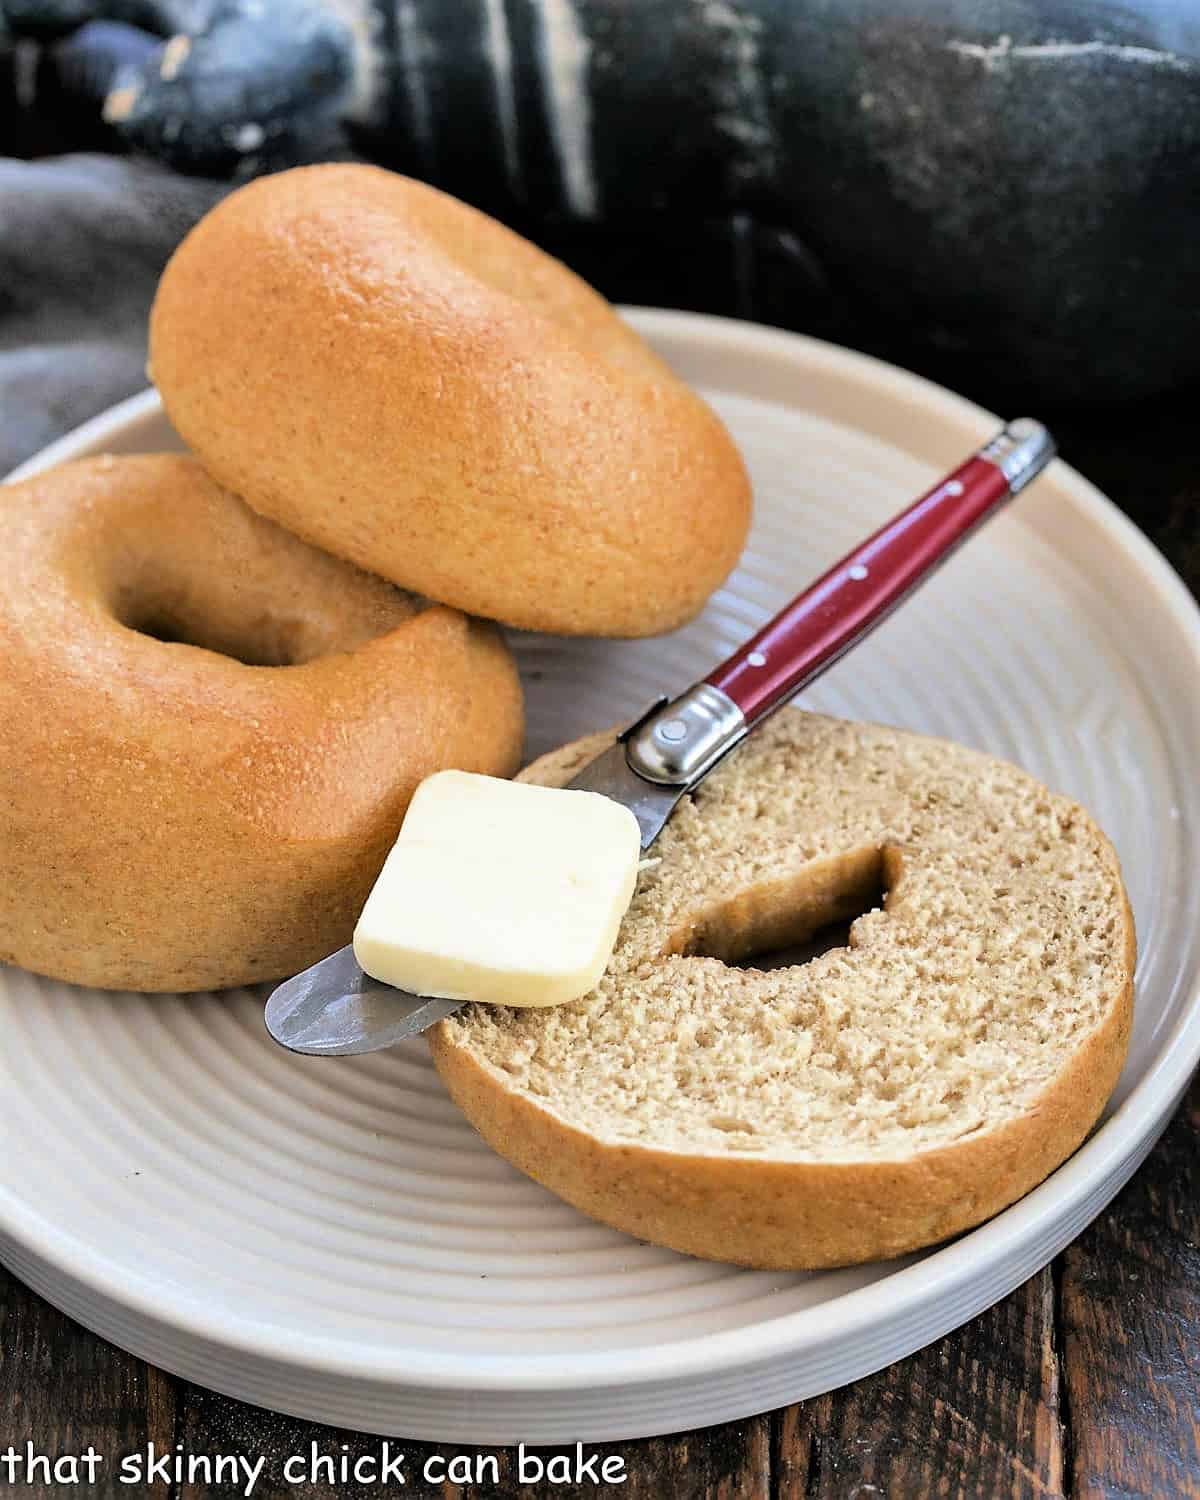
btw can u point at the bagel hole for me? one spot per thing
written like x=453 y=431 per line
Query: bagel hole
x=266 y=641
x=824 y=940
x=792 y=921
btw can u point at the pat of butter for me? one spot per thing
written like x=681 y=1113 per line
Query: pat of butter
x=501 y=892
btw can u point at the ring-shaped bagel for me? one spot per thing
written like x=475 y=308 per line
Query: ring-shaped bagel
x=173 y=817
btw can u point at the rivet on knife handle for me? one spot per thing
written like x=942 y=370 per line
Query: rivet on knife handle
x=683 y=741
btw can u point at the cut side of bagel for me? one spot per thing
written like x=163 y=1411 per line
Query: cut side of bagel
x=883 y=1095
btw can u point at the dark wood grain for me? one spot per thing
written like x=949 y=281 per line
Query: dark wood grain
x=62 y=1389
x=976 y=1414
x=1130 y=1316
x=1083 y=1384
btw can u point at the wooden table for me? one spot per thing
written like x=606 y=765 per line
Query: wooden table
x=1084 y=1383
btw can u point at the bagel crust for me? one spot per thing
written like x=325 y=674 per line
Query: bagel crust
x=876 y=1099
x=407 y=384
x=192 y=816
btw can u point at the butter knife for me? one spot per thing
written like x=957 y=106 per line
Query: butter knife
x=333 y=1009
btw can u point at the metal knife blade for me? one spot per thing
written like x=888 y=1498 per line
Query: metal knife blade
x=333 y=1009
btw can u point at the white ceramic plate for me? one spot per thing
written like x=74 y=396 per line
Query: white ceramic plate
x=329 y=1237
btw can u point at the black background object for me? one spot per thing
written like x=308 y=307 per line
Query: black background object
x=1005 y=193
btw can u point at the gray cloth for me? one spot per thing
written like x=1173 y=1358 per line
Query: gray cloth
x=83 y=240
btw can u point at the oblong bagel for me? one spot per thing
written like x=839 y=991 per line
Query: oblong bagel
x=406 y=383
x=174 y=817
x=878 y=1098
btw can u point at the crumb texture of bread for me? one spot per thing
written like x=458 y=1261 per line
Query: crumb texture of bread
x=880 y=1096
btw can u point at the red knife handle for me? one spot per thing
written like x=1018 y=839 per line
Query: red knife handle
x=678 y=743
x=856 y=594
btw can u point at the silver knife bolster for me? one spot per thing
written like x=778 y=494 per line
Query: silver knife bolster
x=677 y=742
x=663 y=755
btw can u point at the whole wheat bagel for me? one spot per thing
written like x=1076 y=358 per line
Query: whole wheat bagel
x=189 y=816
x=404 y=382
x=875 y=1099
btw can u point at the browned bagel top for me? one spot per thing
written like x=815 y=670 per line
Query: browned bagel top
x=409 y=385
x=151 y=613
